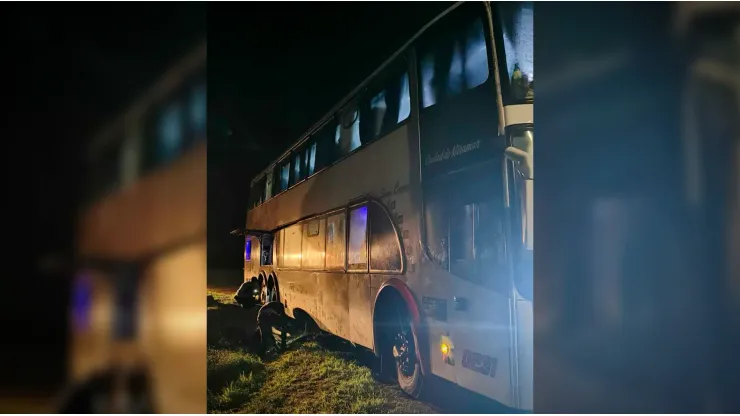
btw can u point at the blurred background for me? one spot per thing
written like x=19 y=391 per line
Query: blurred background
x=636 y=278
x=108 y=124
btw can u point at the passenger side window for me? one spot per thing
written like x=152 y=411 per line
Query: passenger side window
x=314 y=244
x=248 y=249
x=357 y=249
x=309 y=158
x=297 y=175
x=326 y=150
x=284 y=175
x=266 y=249
x=347 y=134
x=386 y=105
x=385 y=251
x=269 y=177
x=453 y=59
x=335 y=241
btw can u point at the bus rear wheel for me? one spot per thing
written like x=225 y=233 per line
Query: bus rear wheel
x=268 y=291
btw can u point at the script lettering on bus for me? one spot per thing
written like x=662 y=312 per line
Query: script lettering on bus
x=451 y=152
x=397 y=189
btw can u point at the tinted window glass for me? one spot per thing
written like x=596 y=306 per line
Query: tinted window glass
x=326 y=149
x=385 y=106
x=454 y=59
x=357 y=250
x=269 y=180
x=285 y=176
x=335 y=241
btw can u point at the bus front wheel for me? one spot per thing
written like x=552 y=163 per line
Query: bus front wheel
x=399 y=348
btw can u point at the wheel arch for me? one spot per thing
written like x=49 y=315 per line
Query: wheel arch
x=395 y=290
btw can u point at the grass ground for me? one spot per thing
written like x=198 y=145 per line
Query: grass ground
x=307 y=377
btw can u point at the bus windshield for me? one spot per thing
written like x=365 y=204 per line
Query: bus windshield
x=517 y=22
x=465 y=227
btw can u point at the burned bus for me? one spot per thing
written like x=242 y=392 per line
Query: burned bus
x=402 y=220
x=141 y=233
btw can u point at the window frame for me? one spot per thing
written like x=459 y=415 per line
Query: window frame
x=348 y=227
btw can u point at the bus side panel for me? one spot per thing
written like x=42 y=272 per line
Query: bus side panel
x=360 y=310
x=333 y=302
x=299 y=290
x=432 y=285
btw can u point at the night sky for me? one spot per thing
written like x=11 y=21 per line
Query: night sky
x=70 y=73
x=77 y=73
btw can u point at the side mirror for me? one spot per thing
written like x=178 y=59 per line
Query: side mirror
x=521 y=154
x=522 y=161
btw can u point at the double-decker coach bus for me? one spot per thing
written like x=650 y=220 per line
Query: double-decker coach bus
x=402 y=221
x=145 y=218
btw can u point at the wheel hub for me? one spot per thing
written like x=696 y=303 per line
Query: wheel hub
x=404 y=354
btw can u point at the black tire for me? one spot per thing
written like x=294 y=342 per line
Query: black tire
x=271 y=315
x=400 y=351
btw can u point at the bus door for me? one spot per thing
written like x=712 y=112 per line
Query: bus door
x=462 y=183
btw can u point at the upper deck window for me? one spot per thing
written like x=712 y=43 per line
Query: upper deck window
x=386 y=104
x=454 y=60
x=285 y=176
x=297 y=169
x=517 y=23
